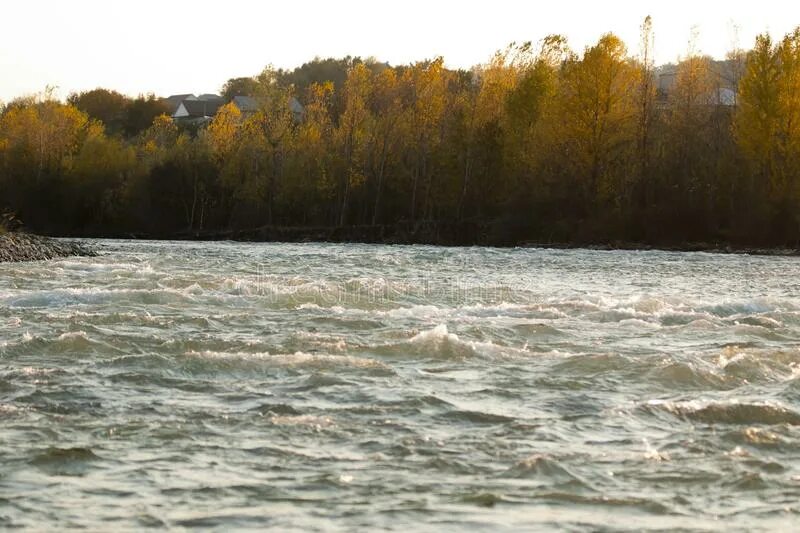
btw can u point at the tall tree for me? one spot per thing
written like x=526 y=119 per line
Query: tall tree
x=351 y=133
x=599 y=103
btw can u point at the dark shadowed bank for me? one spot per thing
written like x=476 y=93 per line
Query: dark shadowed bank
x=499 y=235
x=26 y=247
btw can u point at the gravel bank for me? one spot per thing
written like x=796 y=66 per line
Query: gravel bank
x=27 y=247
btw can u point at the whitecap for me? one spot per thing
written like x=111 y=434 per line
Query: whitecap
x=314 y=421
x=295 y=359
x=440 y=342
x=73 y=335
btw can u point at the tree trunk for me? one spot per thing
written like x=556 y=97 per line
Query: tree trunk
x=381 y=170
x=467 y=171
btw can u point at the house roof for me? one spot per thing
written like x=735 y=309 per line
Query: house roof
x=202 y=108
x=296 y=107
x=174 y=101
x=726 y=96
x=209 y=96
x=246 y=104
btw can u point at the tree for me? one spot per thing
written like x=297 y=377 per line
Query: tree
x=314 y=186
x=37 y=140
x=239 y=87
x=645 y=96
x=598 y=109
x=428 y=85
x=107 y=106
x=689 y=130
x=141 y=112
x=351 y=134
x=275 y=121
x=158 y=139
x=388 y=110
x=97 y=175
x=530 y=124
x=767 y=122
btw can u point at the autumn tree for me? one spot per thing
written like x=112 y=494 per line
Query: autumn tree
x=140 y=113
x=239 y=87
x=599 y=112
x=768 y=118
x=107 y=106
x=314 y=184
x=388 y=111
x=36 y=141
x=531 y=119
x=278 y=114
x=97 y=177
x=351 y=133
x=688 y=162
x=645 y=113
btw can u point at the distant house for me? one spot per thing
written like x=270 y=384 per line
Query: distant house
x=175 y=100
x=725 y=94
x=248 y=105
x=726 y=97
x=298 y=111
x=197 y=112
x=200 y=110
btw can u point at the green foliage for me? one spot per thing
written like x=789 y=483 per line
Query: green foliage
x=109 y=107
x=239 y=87
x=141 y=112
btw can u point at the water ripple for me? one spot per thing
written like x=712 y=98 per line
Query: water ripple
x=302 y=386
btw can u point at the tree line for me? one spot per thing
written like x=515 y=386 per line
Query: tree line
x=539 y=144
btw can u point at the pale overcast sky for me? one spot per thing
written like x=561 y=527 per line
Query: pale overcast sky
x=169 y=46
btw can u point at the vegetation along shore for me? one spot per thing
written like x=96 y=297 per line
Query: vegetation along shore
x=542 y=144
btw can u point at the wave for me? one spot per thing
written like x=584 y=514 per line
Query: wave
x=7 y=410
x=758 y=318
x=61 y=455
x=734 y=366
x=730 y=412
x=697 y=374
x=541 y=466
x=95 y=295
x=759 y=365
x=65 y=461
x=477 y=417
x=92 y=265
x=68 y=342
x=297 y=359
x=440 y=343
x=755 y=436
x=313 y=421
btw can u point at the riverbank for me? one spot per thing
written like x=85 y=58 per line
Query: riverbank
x=16 y=247
x=440 y=234
x=461 y=234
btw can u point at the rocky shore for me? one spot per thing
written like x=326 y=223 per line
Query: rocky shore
x=26 y=247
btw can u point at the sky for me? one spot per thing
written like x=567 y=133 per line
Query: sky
x=176 y=46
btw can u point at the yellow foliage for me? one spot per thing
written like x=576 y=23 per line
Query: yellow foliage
x=44 y=133
x=598 y=113
x=767 y=123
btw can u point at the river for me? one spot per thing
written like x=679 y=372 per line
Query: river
x=357 y=387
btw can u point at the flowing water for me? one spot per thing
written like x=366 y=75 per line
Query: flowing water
x=356 y=387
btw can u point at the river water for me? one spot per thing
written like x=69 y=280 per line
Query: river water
x=358 y=387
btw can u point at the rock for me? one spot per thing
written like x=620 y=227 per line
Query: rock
x=26 y=247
